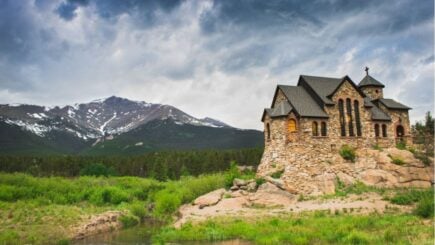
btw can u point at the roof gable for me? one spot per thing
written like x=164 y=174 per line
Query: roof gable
x=325 y=87
x=370 y=81
x=302 y=102
x=344 y=79
x=392 y=104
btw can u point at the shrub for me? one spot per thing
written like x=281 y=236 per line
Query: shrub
x=425 y=207
x=233 y=173
x=128 y=220
x=166 y=203
x=401 y=145
x=97 y=169
x=377 y=147
x=277 y=174
x=138 y=210
x=397 y=160
x=259 y=181
x=109 y=195
x=348 y=153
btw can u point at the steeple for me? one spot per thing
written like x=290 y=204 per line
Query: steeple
x=370 y=86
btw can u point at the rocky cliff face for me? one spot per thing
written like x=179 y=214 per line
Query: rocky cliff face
x=310 y=172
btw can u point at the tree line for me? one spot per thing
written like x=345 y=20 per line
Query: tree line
x=161 y=165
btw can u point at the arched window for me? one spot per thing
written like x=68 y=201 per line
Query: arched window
x=357 y=118
x=268 y=131
x=384 y=130
x=400 y=131
x=292 y=125
x=342 y=121
x=377 y=130
x=349 y=116
x=315 y=129
x=323 y=129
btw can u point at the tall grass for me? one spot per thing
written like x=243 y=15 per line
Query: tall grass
x=306 y=229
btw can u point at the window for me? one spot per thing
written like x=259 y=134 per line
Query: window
x=357 y=118
x=377 y=130
x=323 y=129
x=292 y=125
x=349 y=116
x=315 y=129
x=342 y=121
x=268 y=131
x=384 y=130
x=400 y=131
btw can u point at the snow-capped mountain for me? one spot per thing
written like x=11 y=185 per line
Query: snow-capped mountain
x=89 y=121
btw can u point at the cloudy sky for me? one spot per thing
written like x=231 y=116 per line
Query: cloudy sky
x=220 y=59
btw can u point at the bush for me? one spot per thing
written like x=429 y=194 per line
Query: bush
x=347 y=153
x=377 y=147
x=233 y=173
x=259 y=181
x=128 y=220
x=425 y=208
x=97 y=169
x=166 y=203
x=397 y=160
x=401 y=145
x=138 y=210
x=277 y=174
x=109 y=195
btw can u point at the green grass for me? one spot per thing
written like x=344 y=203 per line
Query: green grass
x=347 y=153
x=37 y=210
x=424 y=200
x=397 y=160
x=307 y=229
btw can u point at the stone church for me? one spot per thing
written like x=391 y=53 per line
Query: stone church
x=307 y=125
x=330 y=112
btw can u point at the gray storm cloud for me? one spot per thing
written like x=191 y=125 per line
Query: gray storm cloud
x=211 y=58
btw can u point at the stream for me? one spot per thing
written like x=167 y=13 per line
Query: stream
x=139 y=235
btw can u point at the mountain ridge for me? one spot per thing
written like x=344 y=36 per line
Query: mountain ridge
x=79 y=127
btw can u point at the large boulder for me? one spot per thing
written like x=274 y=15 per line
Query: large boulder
x=209 y=199
x=378 y=177
x=404 y=155
x=270 y=195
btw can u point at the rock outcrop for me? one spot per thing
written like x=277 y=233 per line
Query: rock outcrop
x=310 y=173
x=97 y=224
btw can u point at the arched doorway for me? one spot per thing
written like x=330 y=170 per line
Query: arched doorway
x=400 y=131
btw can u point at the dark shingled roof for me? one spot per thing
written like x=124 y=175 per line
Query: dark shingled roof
x=378 y=114
x=302 y=102
x=392 y=104
x=370 y=81
x=282 y=109
x=323 y=86
x=368 y=102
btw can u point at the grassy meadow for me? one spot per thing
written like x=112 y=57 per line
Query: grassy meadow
x=38 y=210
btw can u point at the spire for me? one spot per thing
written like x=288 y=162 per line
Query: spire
x=369 y=81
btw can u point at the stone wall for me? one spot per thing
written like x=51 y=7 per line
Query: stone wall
x=373 y=92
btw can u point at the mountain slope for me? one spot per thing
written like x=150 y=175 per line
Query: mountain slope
x=113 y=126
x=167 y=134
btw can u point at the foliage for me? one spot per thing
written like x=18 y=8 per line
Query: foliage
x=317 y=228
x=348 y=153
x=259 y=181
x=97 y=169
x=357 y=188
x=423 y=198
x=37 y=205
x=425 y=207
x=233 y=173
x=277 y=174
x=397 y=160
x=160 y=165
x=377 y=147
x=401 y=145
x=423 y=134
x=128 y=220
